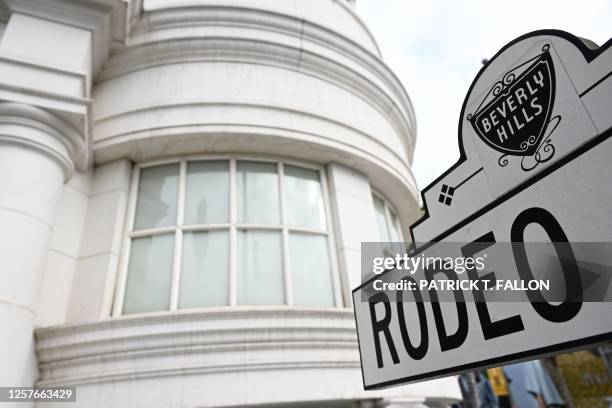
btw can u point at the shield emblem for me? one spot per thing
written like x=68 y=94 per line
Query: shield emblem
x=514 y=114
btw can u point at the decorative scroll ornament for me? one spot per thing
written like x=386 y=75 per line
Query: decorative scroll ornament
x=515 y=114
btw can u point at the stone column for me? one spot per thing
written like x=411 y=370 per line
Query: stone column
x=37 y=154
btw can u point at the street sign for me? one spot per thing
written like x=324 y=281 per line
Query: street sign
x=535 y=166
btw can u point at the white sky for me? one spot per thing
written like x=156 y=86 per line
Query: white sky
x=436 y=47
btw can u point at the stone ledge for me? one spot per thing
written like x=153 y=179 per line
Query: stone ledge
x=197 y=342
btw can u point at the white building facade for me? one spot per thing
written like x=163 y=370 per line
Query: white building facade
x=184 y=189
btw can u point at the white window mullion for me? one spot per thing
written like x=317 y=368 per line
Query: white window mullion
x=285 y=239
x=388 y=219
x=398 y=228
x=233 y=247
x=152 y=231
x=233 y=226
x=205 y=227
x=331 y=247
x=178 y=238
x=124 y=264
x=393 y=228
x=124 y=261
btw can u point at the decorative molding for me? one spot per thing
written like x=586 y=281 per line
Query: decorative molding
x=254 y=52
x=349 y=6
x=49 y=124
x=223 y=339
x=239 y=17
x=190 y=105
x=272 y=139
x=167 y=36
x=66 y=92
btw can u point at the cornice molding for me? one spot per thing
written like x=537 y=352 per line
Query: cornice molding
x=257 y=52
x=351 y=10
x=191 y=17
x=175 y=35
x=239 y=17
x=137 y=111
x=118 y=135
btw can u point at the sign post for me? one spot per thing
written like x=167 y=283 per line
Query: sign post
x=535 y=166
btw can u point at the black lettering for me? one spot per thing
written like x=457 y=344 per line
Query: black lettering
x=382 y=326
x=418 y=352
x=448 y=341
x=572 y=304
x=490 y=329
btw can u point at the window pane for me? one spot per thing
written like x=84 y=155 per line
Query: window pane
x=310 y=270
x=157 y=197
x=207 y=196
x=258 y=193
x=395 y=234
x=204 y=273
x=379 y=208
x=149 y=274
x=303 y=198
x=260 y=272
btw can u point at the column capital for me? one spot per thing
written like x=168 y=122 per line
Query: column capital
x=41 y=130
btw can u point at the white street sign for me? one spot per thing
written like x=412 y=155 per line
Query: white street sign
x=535 y=166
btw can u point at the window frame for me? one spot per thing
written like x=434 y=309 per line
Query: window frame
x=179 y=228
x=389 y=209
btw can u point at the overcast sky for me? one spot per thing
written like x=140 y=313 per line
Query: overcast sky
x=436 y=47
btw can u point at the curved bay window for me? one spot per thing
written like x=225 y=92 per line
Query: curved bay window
x=227 y=232
x=387 y=222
